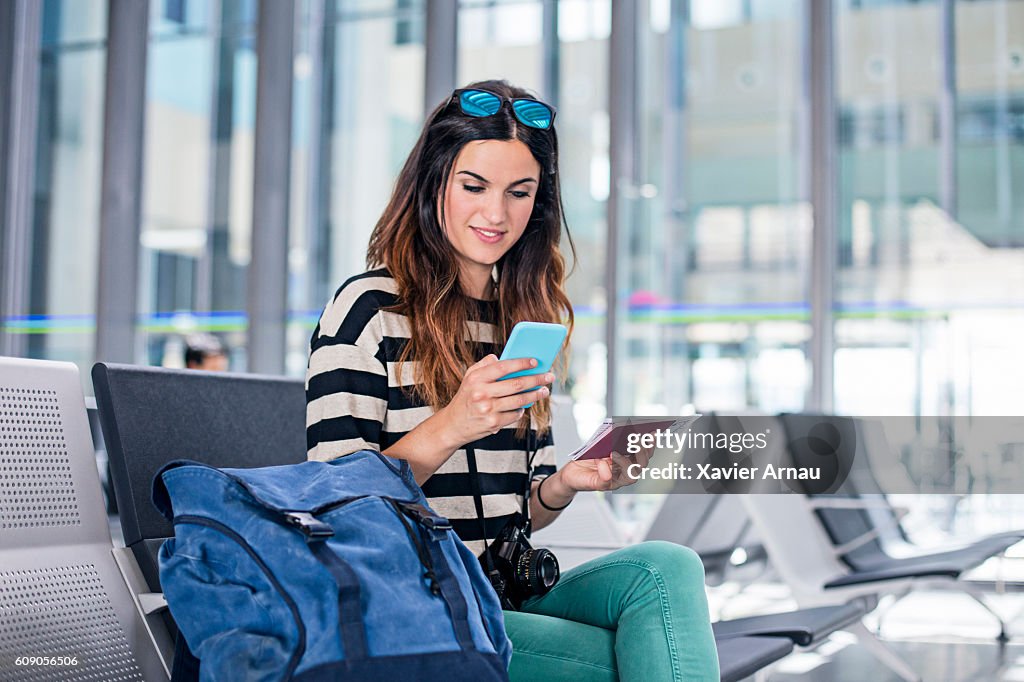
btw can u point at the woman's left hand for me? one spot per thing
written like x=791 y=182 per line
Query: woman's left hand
x=609 y=473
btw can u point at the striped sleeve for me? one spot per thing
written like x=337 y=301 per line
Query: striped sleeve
x=346 y=381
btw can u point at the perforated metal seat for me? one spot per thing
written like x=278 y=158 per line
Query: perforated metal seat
x=62 y=595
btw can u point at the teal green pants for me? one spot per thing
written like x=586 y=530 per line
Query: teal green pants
x=639 y=613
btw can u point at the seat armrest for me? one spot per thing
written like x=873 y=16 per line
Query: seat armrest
x=152 y=602
x=803 y=627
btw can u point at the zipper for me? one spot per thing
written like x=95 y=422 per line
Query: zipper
x=419 y=544
x=300 y=648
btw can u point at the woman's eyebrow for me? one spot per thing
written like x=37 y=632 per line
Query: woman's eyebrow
x=486 y=181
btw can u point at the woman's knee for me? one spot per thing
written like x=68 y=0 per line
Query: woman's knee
x=676 y=563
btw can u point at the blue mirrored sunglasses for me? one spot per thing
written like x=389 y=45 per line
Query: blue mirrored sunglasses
x=529 y=112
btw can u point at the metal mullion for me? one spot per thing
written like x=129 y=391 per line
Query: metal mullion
x=947 y=110
x=320 y=29
x=321 y=221
x=622 y=161
x=441 y=52
x=821 y=161
x=267 y=281
x=19 y=67
x=674 y=156
x=121 y=184
x=220 y=93
x=551 y=76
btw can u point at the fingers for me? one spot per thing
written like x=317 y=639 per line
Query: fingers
x=619 y=465
x=484 y=362
x=493 y=371
x=521 y=400
x=499 y=389
x=643 y=458
x=620 y=462
x=493 y=422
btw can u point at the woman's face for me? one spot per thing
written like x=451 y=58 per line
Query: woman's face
x=488 y=202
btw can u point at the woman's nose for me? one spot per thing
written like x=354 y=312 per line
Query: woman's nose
x=494 y=211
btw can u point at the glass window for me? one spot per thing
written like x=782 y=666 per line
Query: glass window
x=714 y=251
x=197 y=176
x=927 y=300
x=501 y=40
x=69 y=154
x=353 y=131
x=583 y=32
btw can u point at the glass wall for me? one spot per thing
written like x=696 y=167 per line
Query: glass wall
x=584 y=29
x=929 y=288
x=353 y=128
x=65 y=222
x=501 y=40
x=715 y=231
x=988 y=323
x=714 y=243
x=197 y=176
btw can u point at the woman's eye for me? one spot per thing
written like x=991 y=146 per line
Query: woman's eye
x=520 y=194
x=473 y=189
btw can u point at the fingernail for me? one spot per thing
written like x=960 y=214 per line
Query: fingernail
x=533 y=362
x=544 y=391
x=549 y=377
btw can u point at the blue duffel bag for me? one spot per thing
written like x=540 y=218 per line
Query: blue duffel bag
x=323 y=571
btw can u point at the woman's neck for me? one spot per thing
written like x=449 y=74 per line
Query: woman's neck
x=477 y=284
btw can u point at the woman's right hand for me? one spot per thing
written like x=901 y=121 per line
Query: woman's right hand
x=484 y=405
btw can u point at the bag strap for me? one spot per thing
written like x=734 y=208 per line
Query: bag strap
x=185 y=667
x=453 y=596
x=350 y=616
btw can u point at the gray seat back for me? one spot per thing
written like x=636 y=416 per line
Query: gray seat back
x=151 y=416
x=61 y=592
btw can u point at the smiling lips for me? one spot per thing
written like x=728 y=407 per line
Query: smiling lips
x=488 y=236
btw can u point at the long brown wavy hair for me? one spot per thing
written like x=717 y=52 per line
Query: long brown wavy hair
x=410 y=241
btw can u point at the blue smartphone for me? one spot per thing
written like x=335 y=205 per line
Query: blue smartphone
x=539 y=340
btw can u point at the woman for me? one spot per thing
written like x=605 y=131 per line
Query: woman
x=404 y=360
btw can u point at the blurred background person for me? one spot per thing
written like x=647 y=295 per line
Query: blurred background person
x=205 y=351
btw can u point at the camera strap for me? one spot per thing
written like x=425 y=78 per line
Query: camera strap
x=478 y=502
x=531 y=452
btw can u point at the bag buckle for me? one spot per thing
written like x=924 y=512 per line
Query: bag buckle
x=425 y=517
x=312 y=527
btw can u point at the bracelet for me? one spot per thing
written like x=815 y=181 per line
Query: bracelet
x=541 y=499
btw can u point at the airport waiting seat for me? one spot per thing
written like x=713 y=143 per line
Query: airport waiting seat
x=62 y=594
x=714 y=525
x=742 y=657
x=804 y=555
x=861 y=524
x=151 y=416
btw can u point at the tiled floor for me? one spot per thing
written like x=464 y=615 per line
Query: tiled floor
x=936 y=661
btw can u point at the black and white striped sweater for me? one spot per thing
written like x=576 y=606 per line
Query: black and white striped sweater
x=355 y=400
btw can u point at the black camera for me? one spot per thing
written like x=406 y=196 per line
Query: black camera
x=516 y=570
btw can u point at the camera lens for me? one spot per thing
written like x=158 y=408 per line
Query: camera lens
x=542 y=571
x=547 y=569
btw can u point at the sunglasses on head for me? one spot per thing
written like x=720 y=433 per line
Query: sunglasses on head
x=481 y=103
